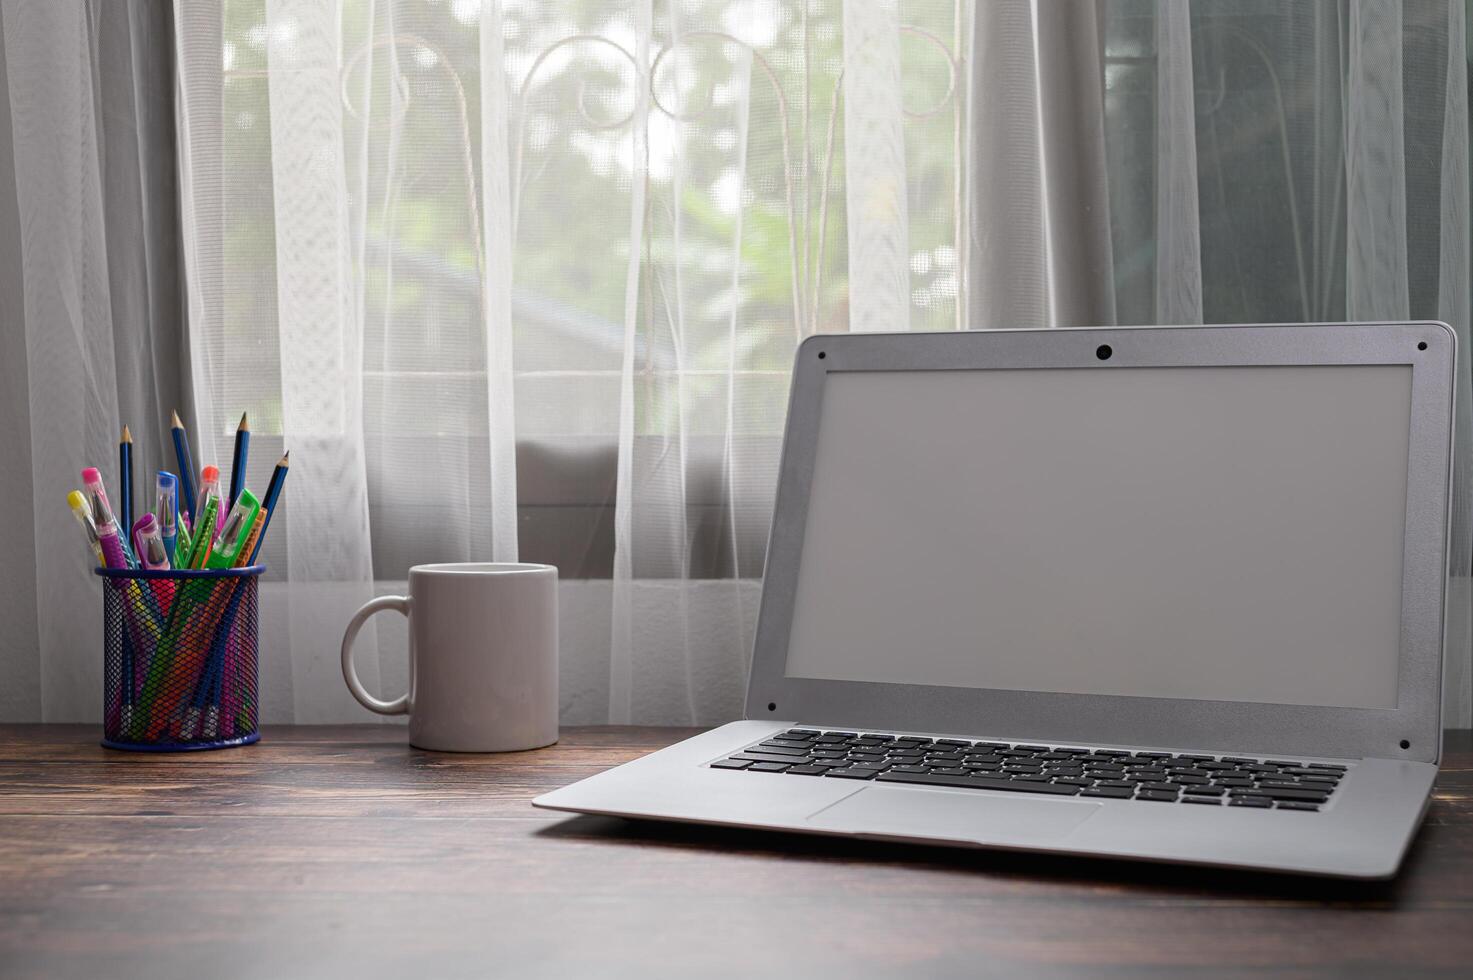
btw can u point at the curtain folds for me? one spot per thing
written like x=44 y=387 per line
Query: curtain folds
x=521 y=280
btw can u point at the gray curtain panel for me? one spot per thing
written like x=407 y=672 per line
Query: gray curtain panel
x=91 y=300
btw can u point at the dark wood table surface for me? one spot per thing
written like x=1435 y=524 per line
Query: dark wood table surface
x=340 y=851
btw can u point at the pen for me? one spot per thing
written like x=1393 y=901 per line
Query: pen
x=235 y=532
x=108 y=538
x=148 y=543
x=238 y=461
x=209 y=486
x=78 y=504
x=166 y=510
x=199 y=551
x=186 y=465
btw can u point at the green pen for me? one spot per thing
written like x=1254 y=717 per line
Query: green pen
x=200 y=547
x=234 y=532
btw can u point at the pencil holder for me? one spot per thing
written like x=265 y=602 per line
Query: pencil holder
x=179 y=657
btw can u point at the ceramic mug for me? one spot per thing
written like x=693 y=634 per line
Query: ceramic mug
x=482 y=657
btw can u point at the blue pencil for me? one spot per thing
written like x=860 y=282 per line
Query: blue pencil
x=186 y=467
x=125 y=479
x=273 y=491
x=238 y=463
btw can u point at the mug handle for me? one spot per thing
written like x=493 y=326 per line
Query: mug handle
x=398 y=706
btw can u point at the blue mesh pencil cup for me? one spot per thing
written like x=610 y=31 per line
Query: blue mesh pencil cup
x=179 y=658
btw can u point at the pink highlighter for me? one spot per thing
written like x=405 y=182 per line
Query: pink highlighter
x=108 y=536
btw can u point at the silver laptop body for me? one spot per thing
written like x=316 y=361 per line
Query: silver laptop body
x=1172 y=594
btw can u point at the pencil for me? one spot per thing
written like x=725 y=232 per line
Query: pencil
x=125 y=478
x=268 y=505
x=186 y=466
x=238 y=462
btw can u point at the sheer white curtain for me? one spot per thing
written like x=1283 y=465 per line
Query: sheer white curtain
x=524 y=280
x=518 y=279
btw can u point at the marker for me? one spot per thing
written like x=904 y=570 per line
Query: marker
x=234 y=532
x=78 y=504
x=186 y=465
x=149 y=544
x=209 y=486
x=108 y=538
x=238 y=462
x=166 y=509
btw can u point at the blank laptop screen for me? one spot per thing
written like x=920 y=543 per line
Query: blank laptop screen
x=1219 y=533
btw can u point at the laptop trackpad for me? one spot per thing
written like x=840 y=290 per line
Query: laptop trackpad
x=953 y=815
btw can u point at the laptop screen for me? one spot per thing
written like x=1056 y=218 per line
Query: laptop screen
x=1219 y=533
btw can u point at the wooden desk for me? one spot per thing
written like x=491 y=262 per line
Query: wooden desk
x=340 y=851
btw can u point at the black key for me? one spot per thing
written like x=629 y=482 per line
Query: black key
x=905 y=757
x=991 y=745
x=1203 y=791
x=1105 y=766
x=867 y=756
x=1111 y=753
x=951 y=771
x=851 y=773
x=1316 y=773
x=1073 y=781
x=1260 y=767
x=1326 y=766
x=953 y=741
x=1115 y=784
x=918 y=740
x=1233 y=782
x=1016 y=753
x=1107 y=792
x=1153 y=755
x=1239 y=760
x=1166 y=788
x=806 y=770
x=1257 y=802
x=831 y=763
x=844 y=734
x=820 y=753
x=1210 y=800
x=1294 y=805
x=787 y=760
x=881 y=738
x=910 y=768
x=1281 y=762
x=830 y=739
x=768 y=767
x=944 y=759
x=776 y=747
x=1275 y=793
x=1073 y=751
x=1031 y=748
x=1312 y=783
x=1031 y=777
x=1147 y=794
x=1186 y=780
x=730 y=764
x=978 y=782
x=1196 y=758
x=800 y=732
x=1284 y=784
x=1211 y=766
x=981 y=764
x=1053 y=756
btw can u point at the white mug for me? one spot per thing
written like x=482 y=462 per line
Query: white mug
x=482 y=657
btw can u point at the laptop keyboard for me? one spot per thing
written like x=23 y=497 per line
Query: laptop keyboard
x=1156 y=777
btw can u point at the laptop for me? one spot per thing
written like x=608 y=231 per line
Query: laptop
x=1163 y=593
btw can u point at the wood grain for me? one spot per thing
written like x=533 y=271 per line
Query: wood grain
x=339 y=851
